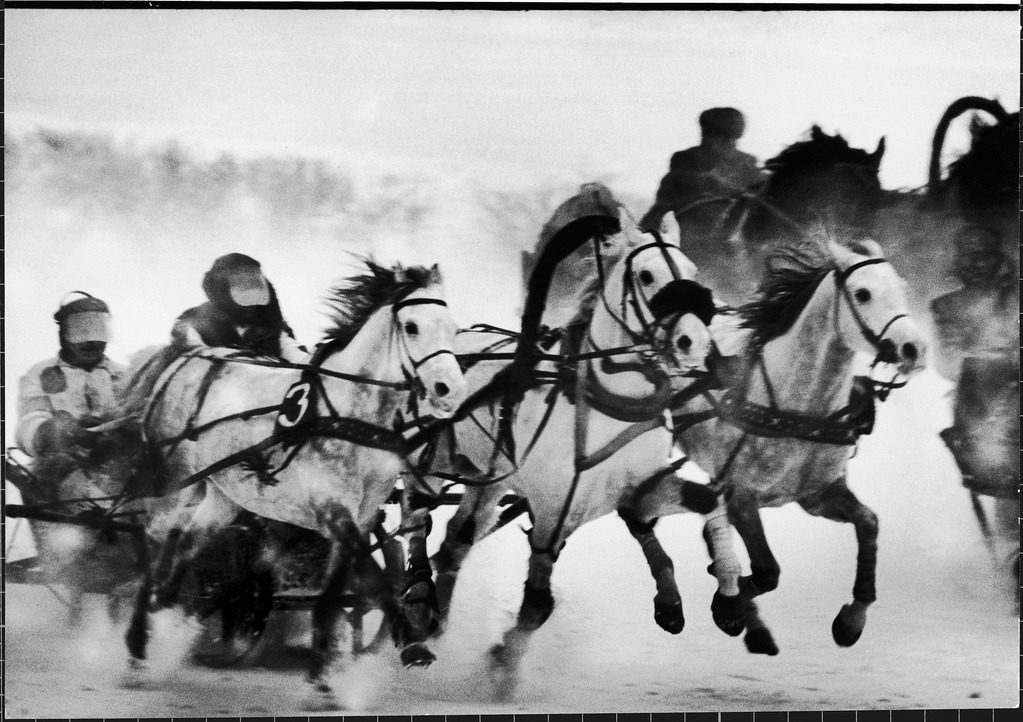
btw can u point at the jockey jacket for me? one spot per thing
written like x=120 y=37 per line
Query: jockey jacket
x=207 y=325
x=55 y=385
x=701 y=172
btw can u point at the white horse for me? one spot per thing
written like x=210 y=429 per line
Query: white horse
x=792 y=410
x=317 y=446
x=589 y=432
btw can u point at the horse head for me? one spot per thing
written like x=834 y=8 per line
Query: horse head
x=426 y=333
x=820 y=180
x=415 y=335
x=650 y=297
x=872 y=312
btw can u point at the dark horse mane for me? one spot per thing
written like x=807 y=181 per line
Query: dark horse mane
x=357 y=298
x=793 y=274
x=815 y=156
x=988 y=173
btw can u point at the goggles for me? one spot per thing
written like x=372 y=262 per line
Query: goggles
x=87 y=326
x=248 y=287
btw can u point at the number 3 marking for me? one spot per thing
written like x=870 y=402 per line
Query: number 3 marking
x=295 y=404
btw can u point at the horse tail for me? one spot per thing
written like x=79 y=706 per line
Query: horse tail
x=971 y=102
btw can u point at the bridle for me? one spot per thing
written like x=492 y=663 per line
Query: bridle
x=415 y=384
x=634 y=297
x=885 y=351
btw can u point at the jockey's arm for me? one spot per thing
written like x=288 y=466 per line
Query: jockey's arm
x=185 y=334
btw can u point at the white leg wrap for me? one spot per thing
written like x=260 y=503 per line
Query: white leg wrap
x=726 y=564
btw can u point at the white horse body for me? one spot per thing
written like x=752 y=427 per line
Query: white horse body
x=321 y=446
x=584 y=449
x=315 y=489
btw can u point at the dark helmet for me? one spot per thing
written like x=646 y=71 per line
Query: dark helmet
x=232 y=274
x=91 y=320
x=724 y=122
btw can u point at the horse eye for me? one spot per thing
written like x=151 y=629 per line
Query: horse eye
x=411 y=329
x=861 y=295
x=646 y=278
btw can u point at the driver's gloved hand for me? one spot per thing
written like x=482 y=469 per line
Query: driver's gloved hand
x=56 y=434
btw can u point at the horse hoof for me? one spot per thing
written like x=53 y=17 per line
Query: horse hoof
x=760 y=641
x=502 y=673
x=848 y=626
x=729 y=614
x=417 y=655
x=669 y=616
x=135 y=675
x=321 y=698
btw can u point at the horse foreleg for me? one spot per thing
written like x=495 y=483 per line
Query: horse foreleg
x=838 y=503
x=477 y=505
x=327 y=611
x=419 y=595
x=727 y=607
x=667 y=601
x=536 y=608
x=744 y=513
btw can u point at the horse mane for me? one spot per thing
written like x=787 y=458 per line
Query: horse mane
x=355 y=299
x=793 y=274
x=820 y=151
x=988 y=173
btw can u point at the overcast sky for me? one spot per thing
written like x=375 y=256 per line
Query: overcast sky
x=539 y=91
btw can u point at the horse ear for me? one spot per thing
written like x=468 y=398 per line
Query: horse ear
x=399 y=273
x=435 y=276
x=816 y=133
x=878 y=153
x=868 y=247
x=670 y=231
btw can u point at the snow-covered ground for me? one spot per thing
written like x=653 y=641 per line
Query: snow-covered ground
x=943 y=633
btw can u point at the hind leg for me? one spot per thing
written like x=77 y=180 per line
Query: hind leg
x=838 y=503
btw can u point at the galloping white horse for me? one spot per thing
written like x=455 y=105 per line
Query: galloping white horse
x=317 y=445
x=583 y=446
x=785 y=425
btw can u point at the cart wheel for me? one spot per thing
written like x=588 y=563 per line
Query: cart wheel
x=235 y=629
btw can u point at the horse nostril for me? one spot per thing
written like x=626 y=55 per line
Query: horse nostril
x=684 y=343
x=441 y=389
x=909 y=351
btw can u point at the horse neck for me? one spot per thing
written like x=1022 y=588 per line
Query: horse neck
x=372 y=353
x=809 y=367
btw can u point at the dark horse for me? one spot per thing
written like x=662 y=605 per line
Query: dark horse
x=821 y=182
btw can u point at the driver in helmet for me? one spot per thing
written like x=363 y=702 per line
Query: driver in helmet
x=241 y=312
x=61 y=398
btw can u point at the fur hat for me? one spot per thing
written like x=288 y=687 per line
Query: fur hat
x=727 y=122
